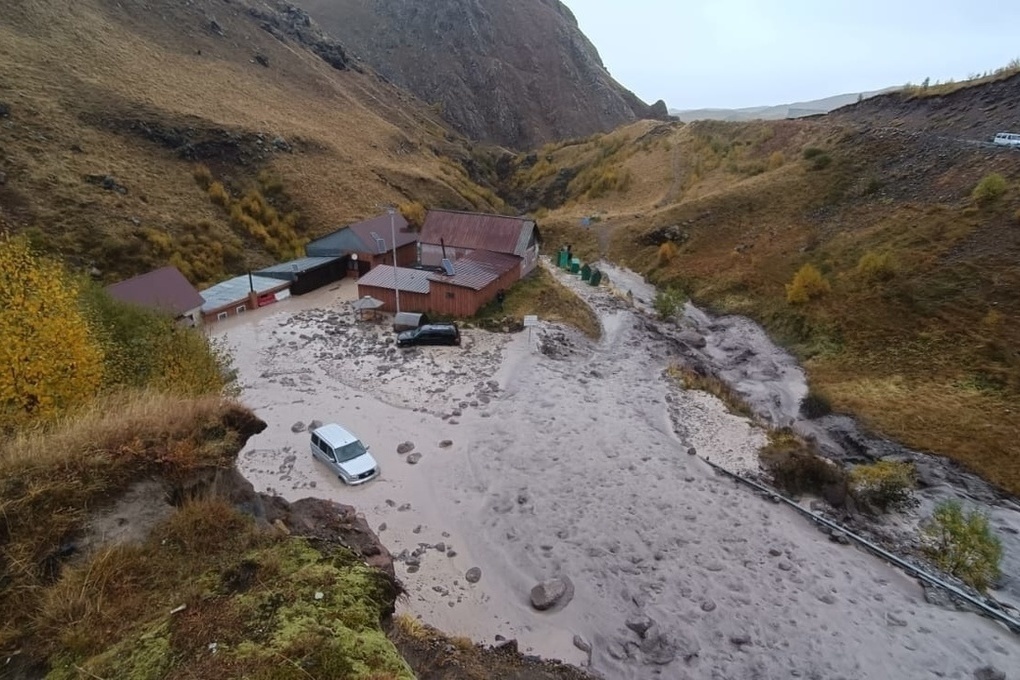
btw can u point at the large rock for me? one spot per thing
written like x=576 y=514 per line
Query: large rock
x=556 y=592
x=640 y=623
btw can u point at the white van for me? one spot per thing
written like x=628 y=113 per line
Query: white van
x=344 y=454
x=1007 y=139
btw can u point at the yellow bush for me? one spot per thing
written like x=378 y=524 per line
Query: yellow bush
x=414 y=213
x=876 y=266
x=51 y=361
x=808 y=283
x=667 y=251
x=203 y=176
x=990 y=189
x=218 y=194
x=776 y=160
x=882 y=485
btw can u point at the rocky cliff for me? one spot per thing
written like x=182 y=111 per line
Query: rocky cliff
x=513 y=73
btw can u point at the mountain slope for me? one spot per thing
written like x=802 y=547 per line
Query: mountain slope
x=778 y=112
x=514 y=73
x=108 y=108
x=919 y=327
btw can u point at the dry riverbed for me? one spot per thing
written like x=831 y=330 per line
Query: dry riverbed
x=543 y=456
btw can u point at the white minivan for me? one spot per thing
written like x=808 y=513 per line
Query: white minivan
x=1007 y=139
x=344 y=454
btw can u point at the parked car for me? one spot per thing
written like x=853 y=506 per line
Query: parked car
x=430 y=334
x=1007 y=139
x=344 y=454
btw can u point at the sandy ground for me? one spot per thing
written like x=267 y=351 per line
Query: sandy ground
x=571 y=459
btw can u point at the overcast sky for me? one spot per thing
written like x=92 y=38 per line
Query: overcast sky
x=736 y=53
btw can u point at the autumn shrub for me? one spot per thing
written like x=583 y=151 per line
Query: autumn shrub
x=875 y=266
x=203 y=176
x=962 y=544
x=990 y=189
x=666 y=253
x=776 y=160
x=218 y=194
x=414 y=213
x=798 y=470
x=812 y=152
x=808 y=283
x=883 y=485
x=51 y=362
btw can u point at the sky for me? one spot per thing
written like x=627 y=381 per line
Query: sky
x=738 y=53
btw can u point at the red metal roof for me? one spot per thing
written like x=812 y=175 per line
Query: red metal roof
x=496 y=233
x=409 y=280
x=381 y=225
x=164 y=290
x=478 y=269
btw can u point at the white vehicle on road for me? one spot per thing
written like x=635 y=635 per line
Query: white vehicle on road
x=1007 y=139
x=344 y=454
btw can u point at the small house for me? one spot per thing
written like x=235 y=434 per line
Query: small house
x=164 y=290
x=241 y=294
x=369 y=243
x=307 y=273
x=450 y=234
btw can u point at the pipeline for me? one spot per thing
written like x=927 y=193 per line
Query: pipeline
x=983 y=607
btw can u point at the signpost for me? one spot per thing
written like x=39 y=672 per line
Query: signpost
x=530 y=321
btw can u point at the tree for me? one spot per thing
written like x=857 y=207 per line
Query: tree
x=808 y=283
x=49 y=359
x=963 y=544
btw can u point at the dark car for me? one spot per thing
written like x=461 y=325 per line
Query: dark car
x=430 y=334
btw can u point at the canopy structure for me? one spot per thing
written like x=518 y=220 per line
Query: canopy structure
x=367 y=304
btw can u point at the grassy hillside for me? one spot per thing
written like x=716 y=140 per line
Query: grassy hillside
x=108 y=107
x=916 y=324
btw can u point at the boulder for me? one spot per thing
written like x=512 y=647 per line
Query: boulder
x=640 y=623
x=556 y=592
x=473 y=575
x=692 y=339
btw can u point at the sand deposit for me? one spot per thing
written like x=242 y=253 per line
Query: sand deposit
x=544 y=456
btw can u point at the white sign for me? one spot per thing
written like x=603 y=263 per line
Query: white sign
x=530 y=320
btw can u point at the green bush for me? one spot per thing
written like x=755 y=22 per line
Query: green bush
x=963 y=544
x=990 y=189
x=883 y=485
x=668 y=302
x=821 y=162
x=813 y=152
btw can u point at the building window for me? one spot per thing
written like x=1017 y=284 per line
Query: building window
x=241 y=309
x=221 y=316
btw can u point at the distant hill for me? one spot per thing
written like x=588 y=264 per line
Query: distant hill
x=779 y=112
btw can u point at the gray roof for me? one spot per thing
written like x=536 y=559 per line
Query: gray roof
x=290 y=270
x=236 y=290
x=478 y=231
x=357 y=237
x=409 y=280
x=478 y=269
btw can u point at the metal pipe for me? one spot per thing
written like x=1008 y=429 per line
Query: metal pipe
x=1011 y=623
x=393 y=235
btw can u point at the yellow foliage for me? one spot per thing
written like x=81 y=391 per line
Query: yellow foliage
x=667 y=251
x=218 y=194
x=876 y=266
x=776 y=160
x=51 y=362
x=808 y=283
x=414 y=213
x=203 y=176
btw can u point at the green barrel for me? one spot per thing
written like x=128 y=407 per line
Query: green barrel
x=586 y=273
x=575 y=266
x=563 y=259
x=596 y=278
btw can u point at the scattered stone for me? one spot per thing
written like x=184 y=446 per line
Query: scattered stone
x=319 y=595
x=390 y=502
x=413 y=458
x=691 y=338
x=556 y=592
x=827 y=598
x=989 y=673
x=446 y=443
x=262 y=60
x=107 y=182
x=708 y=606
x=692 y=451
x=499 y=638
x=215 y=27
x=406 y=447
x=617 y=651
x=775 y=552
x=297 y=427
x=740 y=640
x=413 y=569
x=582 y=644
x=382 y=527
x=894 y=620
x=785 y=566
x=404 y=507
x=640 y=623
x=5 y=110
x=839 y=537
x=416 y=530
x=314 y=425
x=473 y=575
x=441 y=547
x=451 y=553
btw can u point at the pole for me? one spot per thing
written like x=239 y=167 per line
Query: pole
x=393 y=235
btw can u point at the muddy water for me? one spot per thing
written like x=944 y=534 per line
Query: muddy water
x=772 y=383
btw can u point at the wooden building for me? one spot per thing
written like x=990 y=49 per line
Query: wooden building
x=452 y=234
x=369 y=243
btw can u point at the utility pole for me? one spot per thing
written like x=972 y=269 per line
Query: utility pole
x=393 y=235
